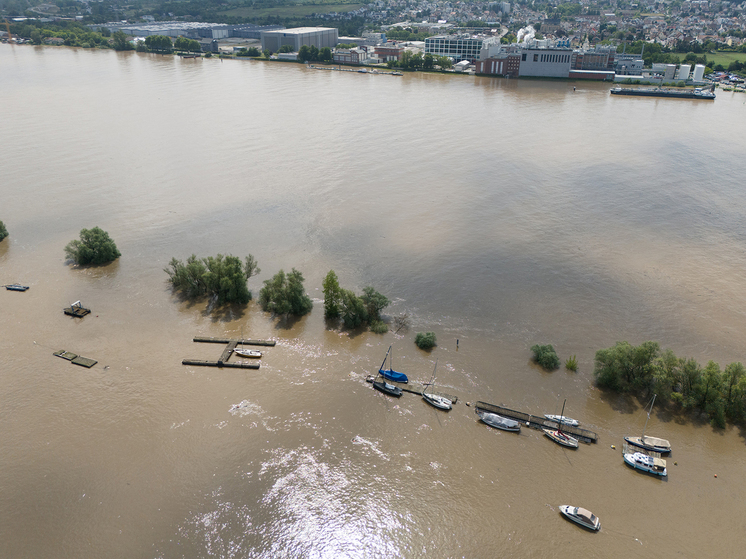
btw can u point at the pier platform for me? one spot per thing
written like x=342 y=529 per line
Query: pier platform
x=75 y=358
x=538 y=422
x=223 y=360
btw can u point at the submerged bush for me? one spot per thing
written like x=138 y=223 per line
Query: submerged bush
x=572 y=363
x=94 y=247
x=545 y=356
x=425 y=340
x=3 y=231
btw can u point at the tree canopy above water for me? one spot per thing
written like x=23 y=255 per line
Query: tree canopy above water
x=94 y=247
x=222 y=277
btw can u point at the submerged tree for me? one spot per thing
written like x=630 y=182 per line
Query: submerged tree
x=425 y=340
x=545 y=356
x=354 y=310
x=223 y=277
x=94 y=247
x=284 y=294
x=3 y=231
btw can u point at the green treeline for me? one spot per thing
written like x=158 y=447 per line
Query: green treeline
x=314 y=54
x=222 y=277
x=354 y=310
x=645 y=369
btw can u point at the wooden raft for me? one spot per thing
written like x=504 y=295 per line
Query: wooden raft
x=75 y=358
x=538 y=422
x=77 y=310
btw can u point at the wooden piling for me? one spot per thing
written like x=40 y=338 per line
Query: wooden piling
x=266 y=343
x=220 y=364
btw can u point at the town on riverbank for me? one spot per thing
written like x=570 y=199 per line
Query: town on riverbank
x=690 y=43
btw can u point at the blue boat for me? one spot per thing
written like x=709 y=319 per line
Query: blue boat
x=390 y=374
x=16 y=287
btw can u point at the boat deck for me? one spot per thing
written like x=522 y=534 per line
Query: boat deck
x=538 y=422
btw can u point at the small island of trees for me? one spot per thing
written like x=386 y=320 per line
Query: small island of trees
x=94 y=247
x=284 y=295
x=354 y=310
x=221 y=277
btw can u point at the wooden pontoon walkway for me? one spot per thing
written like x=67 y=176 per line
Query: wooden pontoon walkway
x=538 y=422
x=75 y=358
x=227 y=352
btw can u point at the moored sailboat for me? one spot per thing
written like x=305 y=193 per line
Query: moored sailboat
x=498 y=421
x=440 y=402
x=390 y=374
x=558 y=436
x=650 y=443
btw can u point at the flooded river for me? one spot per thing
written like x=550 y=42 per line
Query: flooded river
x=499 y=213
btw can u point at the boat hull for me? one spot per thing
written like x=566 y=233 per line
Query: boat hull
x=647 y=464
x=580 y=516
x=499 y=422
x=563 y=420
x=648 y=444
x=392 y=375
x=250 y=353
x=438 y=401
x=16 y=287
x=560 y=438
x=670 y=93
x=387 y=388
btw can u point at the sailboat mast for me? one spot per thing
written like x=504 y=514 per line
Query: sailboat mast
x=648 y=419
x=384 y=359
x=562 y=416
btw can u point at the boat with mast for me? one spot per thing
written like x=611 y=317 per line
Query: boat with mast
x=385 y=387
x=650 y=443
x=558 y=436
x=390 y=373
x=242 y=352
x=440 y=402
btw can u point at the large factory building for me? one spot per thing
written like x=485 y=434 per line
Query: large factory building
x=318 y=37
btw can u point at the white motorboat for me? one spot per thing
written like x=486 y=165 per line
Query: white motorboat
x=645 y=463
x=581 y=516
x=561 y=419
x=253 y=353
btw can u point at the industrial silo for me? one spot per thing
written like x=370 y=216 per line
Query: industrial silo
x=699 y=73
x=684 y=70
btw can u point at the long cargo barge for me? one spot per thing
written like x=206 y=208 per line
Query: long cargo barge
x=698 y=93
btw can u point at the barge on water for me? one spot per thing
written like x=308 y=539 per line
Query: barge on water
x=697 y=93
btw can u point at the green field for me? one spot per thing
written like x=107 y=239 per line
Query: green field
x=724 y=58
x=292 y=11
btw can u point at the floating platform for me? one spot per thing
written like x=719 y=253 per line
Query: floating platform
x=404 y=388
x=265 y=343
x=230 y=345
x=16 y=287
x=75 y=358
x=538 y=422
x=77 y=310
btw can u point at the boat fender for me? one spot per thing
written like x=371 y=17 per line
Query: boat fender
x=716 y=475
x=613 y=447
x=675 y=463
x=468 y=404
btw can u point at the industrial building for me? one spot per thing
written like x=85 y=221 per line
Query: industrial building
x=318 y=37
x=458 y=47
x=189 y=29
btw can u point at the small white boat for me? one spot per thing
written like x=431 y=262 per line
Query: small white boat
x=581 y=516
x=440 y=402
x=561 y=438
x=645 y=463
x=561 y=419
x=247 y=353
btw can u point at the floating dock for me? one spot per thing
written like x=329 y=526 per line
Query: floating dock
x=75 y=358
x=538 y=422
x=230 y=345
x=77 y=310
x=405 y=388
